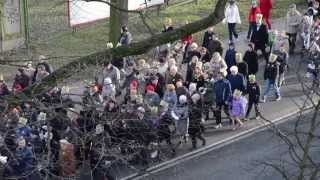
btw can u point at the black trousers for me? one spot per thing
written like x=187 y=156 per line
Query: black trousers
x=217 y=112
x=292 y=41
x=196 y=136
x=256 y=107
x=264 y=53
x=252 y=26
x=232 y=31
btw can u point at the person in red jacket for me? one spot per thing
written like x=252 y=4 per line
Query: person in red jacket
x=187 y=41
x=252 y=18
x=265 y=7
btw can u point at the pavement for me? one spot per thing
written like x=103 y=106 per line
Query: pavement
x=245 y=159
x=293 y=100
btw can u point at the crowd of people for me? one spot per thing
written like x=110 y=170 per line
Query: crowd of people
x=169 y=96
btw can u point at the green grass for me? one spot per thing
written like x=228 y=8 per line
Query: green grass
x=52 y=36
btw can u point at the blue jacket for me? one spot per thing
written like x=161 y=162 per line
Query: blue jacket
x=237 y=82
x=25 y=161
x=222 y=91
x=230 y=57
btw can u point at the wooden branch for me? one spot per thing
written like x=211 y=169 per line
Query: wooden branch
x=137 y=48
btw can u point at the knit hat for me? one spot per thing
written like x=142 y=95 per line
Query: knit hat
x=182 y=99
x=150 y=88
x=23 y=121
x=237 y=93
x=195 y=97
x=234 y=69
x=252 y=77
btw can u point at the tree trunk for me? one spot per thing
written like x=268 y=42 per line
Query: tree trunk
x=117 y=19
x=138 y=48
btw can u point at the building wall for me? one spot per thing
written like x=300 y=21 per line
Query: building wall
x=12 y=34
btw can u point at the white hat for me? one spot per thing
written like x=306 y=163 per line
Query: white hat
x=192 y=87
x=196 y=97
x=23 y=120
x=234 y=69
x=107 y=80
x=141 y=109
x=182 y=99
x=194 y=45
x=64 y=141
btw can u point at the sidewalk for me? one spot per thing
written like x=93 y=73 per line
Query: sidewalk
x=292 y=100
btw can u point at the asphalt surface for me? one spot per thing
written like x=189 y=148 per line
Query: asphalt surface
x=244 y=159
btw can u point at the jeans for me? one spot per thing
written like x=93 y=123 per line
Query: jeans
x=232 y=31
x=267 y=86
x=252 y=26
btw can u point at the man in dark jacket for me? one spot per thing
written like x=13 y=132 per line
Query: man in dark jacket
x=236 y=79
x=230 y=57
x=251 y=58
x=253 y=91
x=208 y=36
x=270 y=75
x=222 y=93
x=195 y=114
x=260 y=37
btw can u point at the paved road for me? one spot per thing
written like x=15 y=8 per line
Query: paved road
x=242 y=160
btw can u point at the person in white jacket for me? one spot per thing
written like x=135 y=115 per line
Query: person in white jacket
x=232 y=17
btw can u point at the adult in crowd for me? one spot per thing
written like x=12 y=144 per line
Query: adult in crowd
x=21 y=80
x=270 y=75
x=109 y=70
x=207 y=37
x=217 y=64
x=260 y=37
x=254 y=10
x=232 y=17
x=173 y=76
x=222 y=93
x=41 y=73
x=251 y=58
x=125 y=37
x=266 y=7
x=236 y=79
x=293 y=21
x=195 y=127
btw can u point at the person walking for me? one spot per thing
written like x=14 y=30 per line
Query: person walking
x=238 y=107
x=252 y=18
x=251 y=58
x=270 y=75
x=253 y=91
x=260 y=37
x=222 y=94
x=232 y=17
x=293 y=21
x=265 y=7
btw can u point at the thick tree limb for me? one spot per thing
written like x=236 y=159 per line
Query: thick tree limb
x=138 y=48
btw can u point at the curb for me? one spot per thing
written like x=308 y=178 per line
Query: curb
x=204 y=150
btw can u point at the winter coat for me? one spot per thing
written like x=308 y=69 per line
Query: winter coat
x=198 y=80
x=265 y=6
x=215 y=45
x=208 y=36
x=189 y=74
x=260 y=37
x=41 y=75
x=152 y=99
x=232 y=14
x=67 y=161
x=253 y=91
x=187 y=39
x=164 y=123
x=173 y=79
x=22 y=79
x=230 y=58
x=113 y=73
x=271 y=71
x=243 y=68
x=293 y=21
x=238 y=106
x=253 y=14
x=25 y=161
x=282 y=59
x=218 y=66
x=205 y=58
x=195 y=115
x=24 y=131
x=221 y=91
x=236 y=82
x=125 y=38
x=182 y=111
x=171 y=98
x=4 y=90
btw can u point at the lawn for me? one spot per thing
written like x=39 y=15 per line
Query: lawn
x=52 y=36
